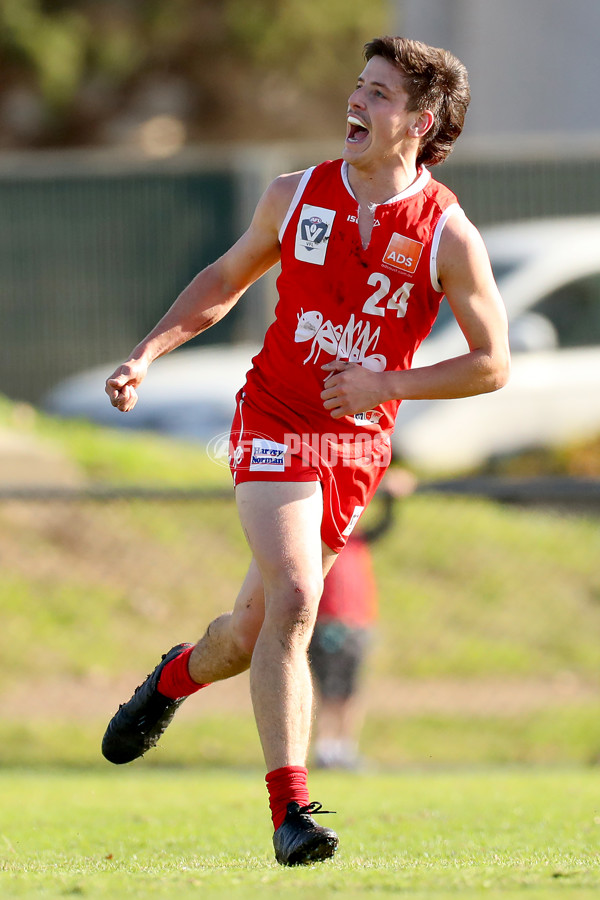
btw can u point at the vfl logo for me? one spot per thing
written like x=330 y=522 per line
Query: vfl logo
x=403 y=253
x=312 y=234
x=313 y=231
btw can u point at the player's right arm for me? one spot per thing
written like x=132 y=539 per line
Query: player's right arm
x=211 y=294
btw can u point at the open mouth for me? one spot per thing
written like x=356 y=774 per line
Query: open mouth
x=357 y=131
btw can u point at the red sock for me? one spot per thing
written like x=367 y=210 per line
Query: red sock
x=284 y=785
x=175 y=680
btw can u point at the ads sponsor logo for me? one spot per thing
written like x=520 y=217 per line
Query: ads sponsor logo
x=312 y=234
x=403 y=253
x=267 y=456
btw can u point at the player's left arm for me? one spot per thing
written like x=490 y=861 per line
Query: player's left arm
x=465 y=273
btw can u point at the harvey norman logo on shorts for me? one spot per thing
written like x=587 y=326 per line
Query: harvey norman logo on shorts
x=312 y=234
x=403 y=253
x=267 y=456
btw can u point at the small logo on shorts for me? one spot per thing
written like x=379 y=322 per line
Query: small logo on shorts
x=353 y=520
x=235 y=451
x=267 y=456
x=370 y=417
x=220 y=450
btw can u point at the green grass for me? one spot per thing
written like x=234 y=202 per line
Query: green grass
x=469 y=587
x=530 y=833
x=546 y=737
x=115 y=456
x=470 y=591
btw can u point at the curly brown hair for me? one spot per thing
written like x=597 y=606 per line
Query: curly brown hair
x=435 y=80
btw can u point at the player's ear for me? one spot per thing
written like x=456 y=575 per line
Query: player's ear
x=422 y=123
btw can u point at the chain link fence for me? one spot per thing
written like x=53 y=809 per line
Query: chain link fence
x=94 y=247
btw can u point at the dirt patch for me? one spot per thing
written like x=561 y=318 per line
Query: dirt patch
x=484 y=697
x=27 y=461
x=98 y=698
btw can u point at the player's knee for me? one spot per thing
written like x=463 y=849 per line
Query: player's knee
x=293 y=610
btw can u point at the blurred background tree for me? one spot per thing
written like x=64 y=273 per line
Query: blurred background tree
x=89 y=72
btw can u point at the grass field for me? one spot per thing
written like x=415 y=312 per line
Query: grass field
x=509 y=833
x=487 y=654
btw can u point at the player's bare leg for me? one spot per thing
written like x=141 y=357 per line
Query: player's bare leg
x=225 y=650
x=269 y=629
x=226 y=647
x=282 y=522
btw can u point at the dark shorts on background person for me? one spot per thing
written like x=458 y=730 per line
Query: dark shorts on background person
x=336 y=654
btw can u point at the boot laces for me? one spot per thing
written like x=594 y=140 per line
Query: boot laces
x=316 y=808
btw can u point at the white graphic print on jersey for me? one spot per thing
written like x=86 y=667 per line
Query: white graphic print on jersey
x=352 y=341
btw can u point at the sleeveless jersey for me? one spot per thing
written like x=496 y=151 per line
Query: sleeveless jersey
x=350 y=592
x=339 y=300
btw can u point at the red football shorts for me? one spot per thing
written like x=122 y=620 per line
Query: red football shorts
x=349 y=466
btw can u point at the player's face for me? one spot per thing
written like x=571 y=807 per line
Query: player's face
x=378 y=120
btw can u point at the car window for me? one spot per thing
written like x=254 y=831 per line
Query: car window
x=574 y=310
x=502 y=268
x=445 y=314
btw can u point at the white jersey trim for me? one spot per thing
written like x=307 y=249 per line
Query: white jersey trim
x=453 y=209
x=295 y=201
x=241 y=435
x=416 y=187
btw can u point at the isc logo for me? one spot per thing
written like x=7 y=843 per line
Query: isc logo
x=403 y=253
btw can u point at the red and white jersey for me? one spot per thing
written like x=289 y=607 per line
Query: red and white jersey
x=340 y=300
x=350 y=590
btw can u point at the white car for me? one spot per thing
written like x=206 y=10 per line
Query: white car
x=548 y=271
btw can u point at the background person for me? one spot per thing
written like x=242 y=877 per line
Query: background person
x=343 y=633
